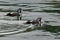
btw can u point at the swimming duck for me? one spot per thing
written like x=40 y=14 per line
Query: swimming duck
x=12 y=14
x=37 y=21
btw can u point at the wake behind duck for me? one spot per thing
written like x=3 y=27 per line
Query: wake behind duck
x=27 y=24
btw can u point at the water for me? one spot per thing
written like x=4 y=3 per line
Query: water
x=31 y=10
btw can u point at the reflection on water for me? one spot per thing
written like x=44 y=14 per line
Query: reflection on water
x=47 y=9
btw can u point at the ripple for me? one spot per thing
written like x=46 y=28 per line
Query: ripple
x=32 y=9
x=3 y=2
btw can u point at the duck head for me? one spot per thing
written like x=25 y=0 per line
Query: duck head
x=19 y=10
x=39 y=19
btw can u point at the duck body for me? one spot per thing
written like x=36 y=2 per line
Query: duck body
x=12 y=14
x=37 y=21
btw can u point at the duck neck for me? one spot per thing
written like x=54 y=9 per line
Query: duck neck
x=19 y=14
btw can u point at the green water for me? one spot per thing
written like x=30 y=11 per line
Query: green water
x=48 y=10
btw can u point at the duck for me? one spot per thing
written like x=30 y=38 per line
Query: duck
x=17 y=13
x=36 y=21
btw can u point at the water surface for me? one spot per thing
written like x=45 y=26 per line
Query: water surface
x=48 y=10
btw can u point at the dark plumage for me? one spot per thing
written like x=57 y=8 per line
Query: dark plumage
x=13 y=14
